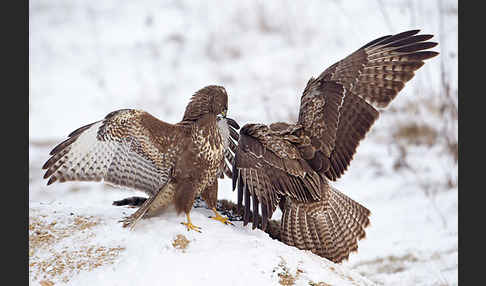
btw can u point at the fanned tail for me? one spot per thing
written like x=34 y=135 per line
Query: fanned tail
x=329 y=228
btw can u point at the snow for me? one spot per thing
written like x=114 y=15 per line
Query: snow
x=231 y=255
x=89 y=58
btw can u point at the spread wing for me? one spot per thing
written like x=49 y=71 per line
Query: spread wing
x=228 y=127
x=264 y=173
x=128 y=148
x=339 y=107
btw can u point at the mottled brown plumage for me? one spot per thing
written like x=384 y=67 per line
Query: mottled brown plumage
x=172 y=163
x=289 y=165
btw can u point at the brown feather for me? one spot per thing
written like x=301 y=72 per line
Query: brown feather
x=289 y=165
x=132 y=148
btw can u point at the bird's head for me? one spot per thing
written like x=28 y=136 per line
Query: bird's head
x=211 y=99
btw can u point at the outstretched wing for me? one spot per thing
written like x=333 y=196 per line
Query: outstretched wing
x=338 y=108
x=128 y=148
x=264 y=175
x=228 y=127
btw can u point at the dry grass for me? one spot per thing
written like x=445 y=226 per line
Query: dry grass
x=415 y=134
x=46 y=283
x=415 y=131
x=82 y=223
x=48 y=261
x=441 y=137
x=180 y=242
x=390 y=264
x=63 y=264
x=390 y=259
x=285 y=277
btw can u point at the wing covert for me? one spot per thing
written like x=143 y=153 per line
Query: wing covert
x=264 y=177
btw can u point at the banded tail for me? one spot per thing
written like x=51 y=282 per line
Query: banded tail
x=329 y=228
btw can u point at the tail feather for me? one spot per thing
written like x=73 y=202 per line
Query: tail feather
x=300 y=229
x=325 y=238
x=306 y=230
x=329 y=228
x=359 y=215
x=292 y=232
x=317 y=243
x=340 y=243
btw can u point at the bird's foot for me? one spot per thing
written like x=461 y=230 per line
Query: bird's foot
x=127 y=221
x=220 y=218
x=130 y=221
x=190 y=226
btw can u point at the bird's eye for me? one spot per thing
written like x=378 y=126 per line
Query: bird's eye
x=223 y=113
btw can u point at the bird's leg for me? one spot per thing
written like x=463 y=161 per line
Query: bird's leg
x=220 y=218
x=189 y=224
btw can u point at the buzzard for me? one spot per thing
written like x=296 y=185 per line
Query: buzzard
x=291 y=164
x=171 y=163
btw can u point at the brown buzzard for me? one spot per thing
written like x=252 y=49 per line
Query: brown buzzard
x=172 y=163
x=290 y=165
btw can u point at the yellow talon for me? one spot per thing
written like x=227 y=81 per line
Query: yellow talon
x=189 y=224
x=220 y=218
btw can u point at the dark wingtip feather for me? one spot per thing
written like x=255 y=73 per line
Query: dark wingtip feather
x=369 y=44
x=389 y=39
x=246 y=215
x=416 y=47
x=255 y=212
x=62 y=145
x=423 y=37
x=47 y=174
x=232 y=146
x=46 y=165
x=51 y=180
x=431 y=54
x=231 y=122
x=81 y=129
x=410 y=40
x=234 y=134
x=264 y=217
x=424 y=55
x=234 y=177
x=405 y=34
x=240 y=195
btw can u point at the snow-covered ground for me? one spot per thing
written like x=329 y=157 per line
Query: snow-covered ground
x=89 y=58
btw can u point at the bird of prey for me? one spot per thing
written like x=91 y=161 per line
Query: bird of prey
x=290 y=164
x=171 y=163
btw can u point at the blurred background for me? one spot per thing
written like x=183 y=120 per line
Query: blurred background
x=88 y=58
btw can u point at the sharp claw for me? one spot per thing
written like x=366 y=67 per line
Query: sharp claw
x=190 y=226
x=128 y=222
x=222 y=219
